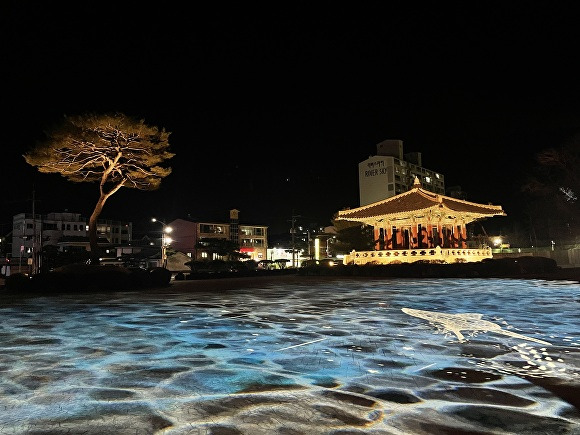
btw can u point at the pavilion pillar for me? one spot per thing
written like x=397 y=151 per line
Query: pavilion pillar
x=399 y=233
x=450 y=242
x=434 y=235
x=414 y=240
x=463 y=236
x=423 y=236
x=389 y=244
x=430 y=242
x=377 y=238
x=454 y=236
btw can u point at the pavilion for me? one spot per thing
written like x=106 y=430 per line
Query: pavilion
x=420 y=225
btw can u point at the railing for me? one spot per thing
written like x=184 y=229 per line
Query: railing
x=435 y=255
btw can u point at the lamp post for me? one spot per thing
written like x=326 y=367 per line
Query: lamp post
x=165 y=240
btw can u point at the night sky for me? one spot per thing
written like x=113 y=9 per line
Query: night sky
x=272 y=105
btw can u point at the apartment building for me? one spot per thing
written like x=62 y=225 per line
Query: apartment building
x=391 y=172
x=68 y=231
x=186 y=235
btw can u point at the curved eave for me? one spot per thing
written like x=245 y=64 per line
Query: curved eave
x=419 y=204
x=439 y=215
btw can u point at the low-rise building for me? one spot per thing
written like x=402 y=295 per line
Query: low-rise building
x=66 y=230
x=186 y=236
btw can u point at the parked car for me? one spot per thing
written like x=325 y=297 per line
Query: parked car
x=309 y=263
x=330 y=262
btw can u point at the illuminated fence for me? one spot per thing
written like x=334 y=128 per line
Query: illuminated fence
x=435 y=255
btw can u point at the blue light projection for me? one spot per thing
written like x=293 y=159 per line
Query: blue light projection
x=308 y=357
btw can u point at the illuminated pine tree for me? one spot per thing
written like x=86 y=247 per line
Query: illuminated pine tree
x=113 y=150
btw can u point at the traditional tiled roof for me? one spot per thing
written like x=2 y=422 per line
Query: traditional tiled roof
x=418 y=201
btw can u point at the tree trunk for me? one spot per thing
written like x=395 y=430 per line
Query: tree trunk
x=93 y=238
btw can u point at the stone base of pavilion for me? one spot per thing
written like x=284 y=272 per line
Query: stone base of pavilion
x=431 y=255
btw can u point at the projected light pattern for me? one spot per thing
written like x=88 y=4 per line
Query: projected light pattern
x=309 y=357
x=456 y=323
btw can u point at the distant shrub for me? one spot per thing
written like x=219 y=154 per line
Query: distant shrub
x=140 y=278
x=251 y=264
x=160 y=276
x=79 y=278
x=529 y=264
x=18 y=282
x=83 y=277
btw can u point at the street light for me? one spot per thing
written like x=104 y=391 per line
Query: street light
x=165 y=240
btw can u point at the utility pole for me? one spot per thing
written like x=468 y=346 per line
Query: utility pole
x=34 y=259
x=293 y=231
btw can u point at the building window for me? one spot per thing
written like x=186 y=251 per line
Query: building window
x=211 y=229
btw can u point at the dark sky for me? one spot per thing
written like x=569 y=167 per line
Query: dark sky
x=272 y=105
